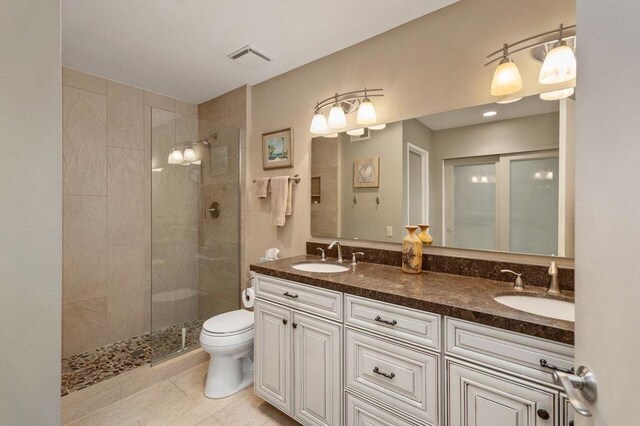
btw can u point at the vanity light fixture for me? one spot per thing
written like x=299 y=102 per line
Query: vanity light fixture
x=506 y=78
x=555 y=95
x=489 y=113
x=319 y=124
x=342 y=104
x=189 y=155
x=355 y=132
x=559 y=63
x=175 y=157
x=378 y=127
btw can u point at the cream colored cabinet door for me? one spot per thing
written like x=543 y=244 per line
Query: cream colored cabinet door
x=482 y=398
x=317 y=369
x=272 y=355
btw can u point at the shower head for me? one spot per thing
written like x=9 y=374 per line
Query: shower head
x=207 y=141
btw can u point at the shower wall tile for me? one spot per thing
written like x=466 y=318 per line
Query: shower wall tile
x=84 y=248
x=84 y=326
x=125 y=116
x=186 y=109
x=159 y=101
x=84 y=81
x=126 y=292
x=84 y=161
x=127 y=221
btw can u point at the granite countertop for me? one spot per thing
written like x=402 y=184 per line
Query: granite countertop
x=456 y=296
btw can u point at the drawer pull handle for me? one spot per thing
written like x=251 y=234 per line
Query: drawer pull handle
x=284 y=321
x=394 y=322
x=543 y=414
x=544 y=363
x=294 y=325
x=388 y=376
x=293 y=296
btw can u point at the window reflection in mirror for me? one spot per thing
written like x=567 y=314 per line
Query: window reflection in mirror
x=499 y=182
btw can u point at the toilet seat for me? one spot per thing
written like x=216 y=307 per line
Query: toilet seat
x=228 y=329
x=229 y=323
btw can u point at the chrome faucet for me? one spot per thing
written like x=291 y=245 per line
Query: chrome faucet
x=335 y=243
x=518 y=284
x=554 y=286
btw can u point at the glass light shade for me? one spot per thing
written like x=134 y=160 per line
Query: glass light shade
x=378 y=127
x=332 y=135
x=559 y=65
x=556 y=94
x=484 y=179
x=537 y=175
x=506 y=79
x=550 y=175
x=474 y=179
x=189 y=155
x=508 y=101
x=175 y=157
x=196 y=163
x=337 y=119
x=319 y=124
x=355 y=132
x=366 y=113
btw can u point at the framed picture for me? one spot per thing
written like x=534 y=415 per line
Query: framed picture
x=277 y=149
x=366 y=173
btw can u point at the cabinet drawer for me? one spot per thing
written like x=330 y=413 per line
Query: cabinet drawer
x=326 y=303
x=408 y=324
x=514 y=352
x=361 y=413
x=403 y=378
x=480 y=397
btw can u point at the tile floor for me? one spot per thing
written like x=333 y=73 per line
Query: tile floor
x=177 y=400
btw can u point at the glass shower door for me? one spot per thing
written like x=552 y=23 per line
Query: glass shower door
x=192 y=268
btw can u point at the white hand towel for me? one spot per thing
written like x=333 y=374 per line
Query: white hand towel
x=262 y=185
x=279 y=199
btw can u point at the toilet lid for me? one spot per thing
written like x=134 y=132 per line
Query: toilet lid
x=229 y=322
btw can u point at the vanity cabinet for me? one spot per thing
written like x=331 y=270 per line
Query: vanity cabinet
x=318 y=350
x=297 y=355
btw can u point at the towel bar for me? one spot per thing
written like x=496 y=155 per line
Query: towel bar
x=296 y=179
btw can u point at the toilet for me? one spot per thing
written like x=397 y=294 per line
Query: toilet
x=228 y=339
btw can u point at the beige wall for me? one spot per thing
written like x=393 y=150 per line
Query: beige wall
x=608 y=207
x=438 y=68
x=30 y=213
x=106 y=209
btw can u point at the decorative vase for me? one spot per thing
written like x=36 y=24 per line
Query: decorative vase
x=424 y=235
x=411 y=252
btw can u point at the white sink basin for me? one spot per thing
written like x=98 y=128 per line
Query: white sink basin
x=322 y=267
x=551 y=308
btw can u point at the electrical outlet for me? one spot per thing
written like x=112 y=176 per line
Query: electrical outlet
x=389 y=231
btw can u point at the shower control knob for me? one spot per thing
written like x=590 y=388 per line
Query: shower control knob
x=284 y=321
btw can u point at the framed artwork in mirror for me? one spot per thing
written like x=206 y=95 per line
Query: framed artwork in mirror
x=277 y=149
x=366 y=173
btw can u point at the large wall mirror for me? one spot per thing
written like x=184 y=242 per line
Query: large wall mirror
x=491 y=177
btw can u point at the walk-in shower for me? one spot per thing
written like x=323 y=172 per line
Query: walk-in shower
x=194 y=228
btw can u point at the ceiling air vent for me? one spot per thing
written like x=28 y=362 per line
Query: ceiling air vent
x=250 y=56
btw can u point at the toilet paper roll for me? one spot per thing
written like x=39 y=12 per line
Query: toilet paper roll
x=248 y=297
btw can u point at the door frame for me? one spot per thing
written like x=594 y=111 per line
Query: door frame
x=424 y=181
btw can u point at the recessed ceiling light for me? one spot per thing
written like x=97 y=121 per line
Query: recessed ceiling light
x=489 y=113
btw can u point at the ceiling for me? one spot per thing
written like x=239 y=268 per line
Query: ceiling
x=531 y=105
x=179 y=47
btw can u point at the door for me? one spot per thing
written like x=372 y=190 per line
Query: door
x=317 y=348
x=479 y=398
x=272 y=355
